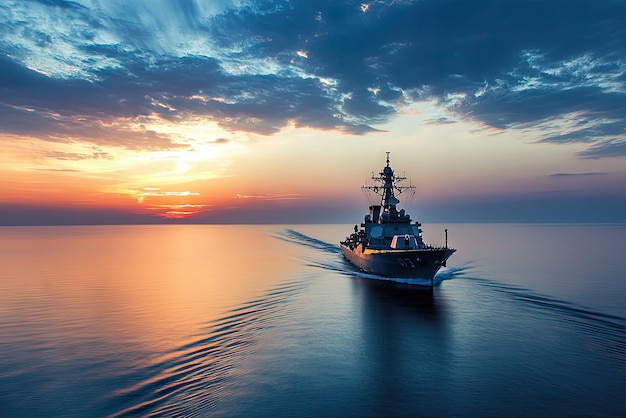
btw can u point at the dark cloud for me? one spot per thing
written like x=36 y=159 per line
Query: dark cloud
x=605 y=149
x=338 y=65
x=577 y=174
x=172 y=89
x=590 y=131
x=503 y=63
x=363 y=105
x=58 y=3
x=54 y=127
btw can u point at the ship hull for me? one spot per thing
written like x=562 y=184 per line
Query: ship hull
x=417 y=263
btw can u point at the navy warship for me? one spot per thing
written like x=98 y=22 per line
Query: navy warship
x=389 y=243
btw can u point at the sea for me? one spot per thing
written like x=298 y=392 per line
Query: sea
x=272 y=321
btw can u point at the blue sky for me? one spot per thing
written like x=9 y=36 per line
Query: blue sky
x=120 y=99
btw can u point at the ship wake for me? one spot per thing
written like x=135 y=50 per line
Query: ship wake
x=295 y=237
x=192 y=378
x=606 y=333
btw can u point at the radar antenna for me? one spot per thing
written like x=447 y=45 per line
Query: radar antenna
x=388 y=188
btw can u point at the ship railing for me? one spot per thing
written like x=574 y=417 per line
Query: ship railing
x=424 y=247
x=437 y=247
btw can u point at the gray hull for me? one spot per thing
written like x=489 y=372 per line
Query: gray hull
x=419 y=263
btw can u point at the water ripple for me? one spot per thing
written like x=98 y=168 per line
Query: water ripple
x=295 y=237
x=190 y=379
x=606 y=332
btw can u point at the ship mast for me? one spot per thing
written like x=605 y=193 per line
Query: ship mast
x=388 y=187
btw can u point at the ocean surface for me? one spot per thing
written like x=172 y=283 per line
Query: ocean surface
x=271 y=321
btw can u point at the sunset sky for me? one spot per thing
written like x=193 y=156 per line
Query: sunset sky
x=242 y=111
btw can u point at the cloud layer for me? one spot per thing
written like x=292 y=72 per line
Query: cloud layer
x=81 y=69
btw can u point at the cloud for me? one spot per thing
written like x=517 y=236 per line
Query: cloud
x=605 y=149
x=73 y=156
x=440 y=121
x=332 y=65
x=577 y=174
x=506 y=64
x=589 y=131
x=272 y=196
x=67 y=170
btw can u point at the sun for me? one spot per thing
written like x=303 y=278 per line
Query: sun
x=172 y=183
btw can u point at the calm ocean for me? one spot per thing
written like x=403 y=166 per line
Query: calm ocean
x=271 y=321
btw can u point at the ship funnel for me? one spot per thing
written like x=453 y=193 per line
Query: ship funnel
x=375 y=213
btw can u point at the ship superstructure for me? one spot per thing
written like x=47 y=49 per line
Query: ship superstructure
x=388 y=242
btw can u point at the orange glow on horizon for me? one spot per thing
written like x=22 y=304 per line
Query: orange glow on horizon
x=189 y=265
x=291 y=169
